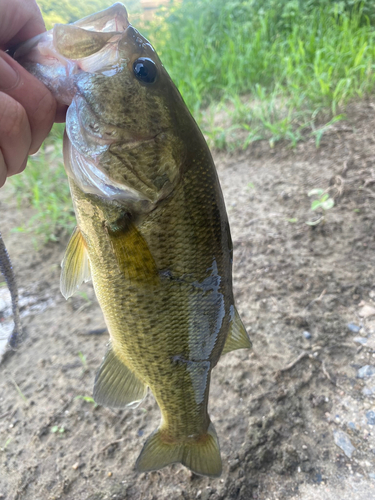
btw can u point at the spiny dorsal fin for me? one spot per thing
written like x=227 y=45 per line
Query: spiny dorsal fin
x=237 y=336
x=201 y=456
x=132 y=253
x=75 y=265
x=115 y=385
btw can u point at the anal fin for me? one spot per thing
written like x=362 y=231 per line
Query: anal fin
x=75 y=265
x=116 y=386
x=237 y=335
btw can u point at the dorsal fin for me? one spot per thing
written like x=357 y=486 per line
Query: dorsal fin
x=75 y=265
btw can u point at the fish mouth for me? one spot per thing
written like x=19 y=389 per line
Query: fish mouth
x=89 y=45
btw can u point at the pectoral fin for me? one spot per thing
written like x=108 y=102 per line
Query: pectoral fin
x=132 y=253
x=75 y=265
x=237 y=336
x=116 y=385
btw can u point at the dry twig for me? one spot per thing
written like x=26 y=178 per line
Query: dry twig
x=110 y=444
x=303 y=355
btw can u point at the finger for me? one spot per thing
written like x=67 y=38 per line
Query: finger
x=35 y=98
x=60 y=115
x=15 y=134
x=19 y=21
x=3 y=170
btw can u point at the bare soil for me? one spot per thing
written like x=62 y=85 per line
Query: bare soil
x=293 y=417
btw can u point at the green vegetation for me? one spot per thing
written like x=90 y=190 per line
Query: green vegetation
x=20 y=393
x=277 y=68
x=322 y=201
x=87 y=399
x=68 y=11
x=6 y=444
x=247 y=69
x=44 y=187
x=57 y=429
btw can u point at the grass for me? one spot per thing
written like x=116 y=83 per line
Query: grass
x=44 y=187
x=248 y=70
x=295 y=75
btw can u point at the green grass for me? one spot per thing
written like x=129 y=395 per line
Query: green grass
x=296 y=73
x=44 y=187
x=248 y=70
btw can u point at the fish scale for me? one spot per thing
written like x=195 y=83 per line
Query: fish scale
x=152 y=230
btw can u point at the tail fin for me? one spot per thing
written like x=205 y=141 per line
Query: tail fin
x=201 y=457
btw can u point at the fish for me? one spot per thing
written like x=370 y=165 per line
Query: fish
x=152 y=230
x=7 y=271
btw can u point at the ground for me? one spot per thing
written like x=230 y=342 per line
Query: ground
x=295 y=415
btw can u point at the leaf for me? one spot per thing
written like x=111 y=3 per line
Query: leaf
x=314 y=222
x=328 y=204
x=315 y=204
x=88 y=399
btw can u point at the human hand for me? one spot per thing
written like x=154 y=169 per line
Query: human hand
x=27 y=108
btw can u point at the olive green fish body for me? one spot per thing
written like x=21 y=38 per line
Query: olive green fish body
x=152 y=230
x=169 y=324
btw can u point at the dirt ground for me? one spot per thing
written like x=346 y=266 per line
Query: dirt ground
x=295 y=416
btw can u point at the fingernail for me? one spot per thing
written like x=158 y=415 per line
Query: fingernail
x=8 y=77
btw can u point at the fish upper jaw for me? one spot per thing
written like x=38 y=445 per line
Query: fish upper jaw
x=89 y=45
x=59 y=72
x=114 y=18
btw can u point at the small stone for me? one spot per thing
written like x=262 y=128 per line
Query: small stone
x=370 y=415
x=366 y=311
x=360 y=340
x=366 y=391
x=342 y=440
x=366 y=371
x=109 y=474
x=354 y=328
x=307 y=335
x=75 y=466
x=318 y=478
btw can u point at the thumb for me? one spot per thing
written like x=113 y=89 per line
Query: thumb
x=34 y=97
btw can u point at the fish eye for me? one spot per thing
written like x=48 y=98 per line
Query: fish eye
x=145 y=70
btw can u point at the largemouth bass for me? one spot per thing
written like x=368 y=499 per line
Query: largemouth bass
x=152 y=230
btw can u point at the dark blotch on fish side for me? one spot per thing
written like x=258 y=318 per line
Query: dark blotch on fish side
x=7 y=271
